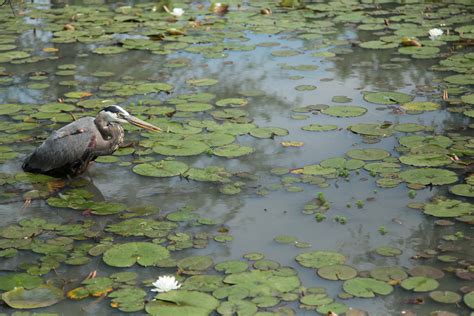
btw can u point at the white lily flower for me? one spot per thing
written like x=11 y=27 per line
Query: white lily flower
x=165 y=283
x=434 y=33
x=177 y=12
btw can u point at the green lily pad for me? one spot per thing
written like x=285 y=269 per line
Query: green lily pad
x=195 y=263
x=418 y=141
x=263 y=282
x=232 y=151
x=344 y=111
x=388 y=274
x=378 y=45
x=318 y=259
x=211 y=174
x=468 y=98
x=382 y=167
x=203 y=283
x=10 y=281
x=446 y=297
x=466 y=190
x=237 y=307
x=449 y=208
x=337 y=272
x=126 y=255
x=109 y=50
x=419 y=284
x=342 y=163
x=370 y=129
x=387 y=97
x=305 y=87
x=316 y=299
x=268 y=132
x=285 y=239
x=335 y=308
x=231 y=266
x=366 y=287
x=284 y=53
x=41 y=296
x=469 y=299
x=202 y=82
x=193 y=107
x=388 y=251
x=467 y=79
x=162 y=168
x=368 y=154
x=318 y=170
x=180 y=148
x=182 y=302
x=232 y=102
x=427 y=176
x=7 y=109
x=426 y=160
x=130 y=299
x=319 y=128
x=56 y=107
x=409 y=127
x=421 y=106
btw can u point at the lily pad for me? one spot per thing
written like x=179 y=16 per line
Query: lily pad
x=469 y=299
x=372 y=129
x=143 y=253
x=368 y=154
x=231 y=266
x=10 y=281
x=195 y=263
x=319 y=259
x=162 y=168
x=419 y=284
x=388 y=251
x=426 y=160
x=180 y=148
x=449 y=208
x=319 y=128
x=41 y=296
x=337 y=272
x=268 y=132
x=344 y=111
x=232 y=151
x=387 y=97
x=182 y=302
x=466 y=190
x=447 y=297
x=388 y=274
x=237 y=307
x=421 y=106
x=427 y=176
x=366 y=287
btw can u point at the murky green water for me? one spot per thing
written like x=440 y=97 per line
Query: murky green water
x=248 y=59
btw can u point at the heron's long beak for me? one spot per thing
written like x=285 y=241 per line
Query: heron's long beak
x=142 y=124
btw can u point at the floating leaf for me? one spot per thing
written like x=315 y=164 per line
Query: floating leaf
x=143 y=253
x=419 y=284
x=184 y=303
x=427 y=176
x=162 y=168
x=421 y=106
x=368 y=154
x=319 y=128
x=388 y=274
x=426 y=160
x=195 y=263
x=387 y=97
x=344 y=111
x=318 y=259
x=231 y=266
x=42 y=296
x=268 y=132
x=366 y=287
x=446 y=297
x=337 y=272
x=462 y=190
x=10 y=281
x=232 y=151
x=180 y=148
x=388 y=251
x=449 y=208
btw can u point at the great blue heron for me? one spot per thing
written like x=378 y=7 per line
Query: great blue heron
x=69 y=150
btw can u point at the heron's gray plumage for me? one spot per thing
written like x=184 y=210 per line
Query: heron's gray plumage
x=69 y=150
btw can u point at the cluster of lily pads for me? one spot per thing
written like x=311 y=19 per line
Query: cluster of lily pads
x=200 y=121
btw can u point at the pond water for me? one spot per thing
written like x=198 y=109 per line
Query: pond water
x=277 y=158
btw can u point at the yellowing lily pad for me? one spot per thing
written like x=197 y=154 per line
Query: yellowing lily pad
x=421 y=106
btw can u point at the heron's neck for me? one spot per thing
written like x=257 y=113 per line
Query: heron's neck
x=107 y=129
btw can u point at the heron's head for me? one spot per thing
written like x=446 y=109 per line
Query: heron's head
x=116 y=114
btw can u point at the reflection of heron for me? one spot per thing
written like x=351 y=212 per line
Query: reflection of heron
x=68 y=151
